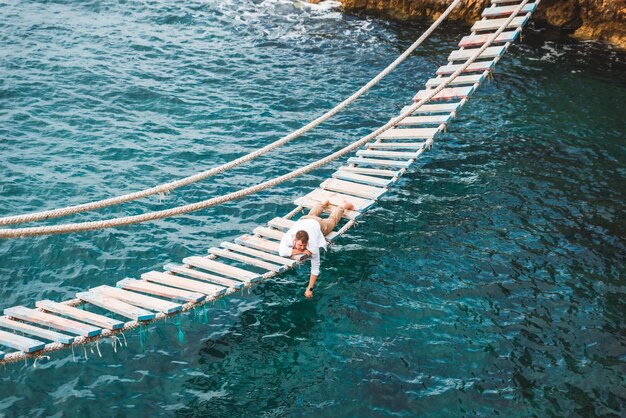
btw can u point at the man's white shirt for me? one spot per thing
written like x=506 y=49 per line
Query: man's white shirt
x=316 y=241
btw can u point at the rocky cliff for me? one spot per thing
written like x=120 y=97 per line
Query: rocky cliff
x=586 y=19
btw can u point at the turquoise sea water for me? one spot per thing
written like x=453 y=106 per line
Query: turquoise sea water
x=489 y=283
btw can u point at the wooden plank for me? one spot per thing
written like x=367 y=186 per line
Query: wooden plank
x=371 y=171
x=462 y=79
x=494 y=24
x=353 y=189
x=361 y=178
x=268 y=233
x=201 y=275
x=436 y=108
x=479 y=66
x=116 y=306
x=337 y=199
x=479 y=40
x=260 y=254
x=427 y=120
x=388 y=154
x=411 y=133
x=143 y=286
x=137 y=299
x=465 y=54
x=80 y=315
x=379 y=163
x=281 y=223
x=27 y=345
x=245 y=259
x=221 y=268
x=167 y=279
x=46 y=334
x=415 y=146
x=496 y=11
x=52 y=321
x=445 y=94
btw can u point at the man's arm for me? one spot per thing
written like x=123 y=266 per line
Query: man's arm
x=315 y=271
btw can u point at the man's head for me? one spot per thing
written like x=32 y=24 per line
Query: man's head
x=301 y=240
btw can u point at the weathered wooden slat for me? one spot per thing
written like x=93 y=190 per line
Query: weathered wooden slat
x=245 y=259
x=445 y=94
x=496 y=11
x=436 y=108
x=162 y=291
x=479 y=66
x=371 y=171
x=167 y=279
x=411 y=133
x=465 y=54
x=379 y=163
x=353 y=189
x=337 y=199
x=221 y=268
x=268 y=233
x=262 y=254
x=116 y=306
x=388 y=154
x=281 y=223
x=137 y=299
x=415 y=146
x=204 y=276
x=462 y=79
x=52 y=321
x=494 y=24
x=27 y=345
x=479 y=40
x=361 y=178
x=80 y=315
x=427 y=120
x=46 y=334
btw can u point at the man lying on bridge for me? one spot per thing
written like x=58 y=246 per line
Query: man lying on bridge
x=307 y=236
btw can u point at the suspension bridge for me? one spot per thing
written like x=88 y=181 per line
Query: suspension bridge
x=376 y=163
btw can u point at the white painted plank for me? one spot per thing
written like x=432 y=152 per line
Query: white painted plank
x=116 y=306
x=337 y=199
x=410 y=133
x=258 y=243
x=169 y=292
x=494 y=24
x=462 y=79
x=427 y=120
x=281 y=223
x=465 y=54
x=436 y=108
x=389 y=154
x=204 y=276
x=361 y=178
x=379 y=163
x=371 y=171
x=46 y=334
x=268 y=233
x=245 y=259
x=262 y=254
x=353 y=189
x=496 y=11
x=52 y=321
x=479 y=66
x=27 y=345
x=80 y=314
x=479 y=40
x=172 y=280
x=445 y=94
x=415 y=146
x=137 y=299
x=221 y=268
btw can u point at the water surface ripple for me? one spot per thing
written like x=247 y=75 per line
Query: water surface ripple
x=490 y=282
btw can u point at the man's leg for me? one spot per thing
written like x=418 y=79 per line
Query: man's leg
x=327 y=225
x=316 y=211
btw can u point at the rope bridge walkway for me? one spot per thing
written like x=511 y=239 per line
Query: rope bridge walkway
x=384 y=156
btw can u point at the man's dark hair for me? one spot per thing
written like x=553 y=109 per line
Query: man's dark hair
x=302 y=236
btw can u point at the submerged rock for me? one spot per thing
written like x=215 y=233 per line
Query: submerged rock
x=585 y=19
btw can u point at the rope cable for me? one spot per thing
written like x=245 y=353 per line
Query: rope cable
x=114 y=222
x=167 y=187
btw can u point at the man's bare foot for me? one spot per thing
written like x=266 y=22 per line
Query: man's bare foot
x=326 y=203
x=347 y=205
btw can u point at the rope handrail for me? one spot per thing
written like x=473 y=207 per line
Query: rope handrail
x=128 y=220
x=167 y=187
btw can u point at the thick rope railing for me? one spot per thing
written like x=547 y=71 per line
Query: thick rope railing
x=51 y=347
x=151 y=216
x=168 y=187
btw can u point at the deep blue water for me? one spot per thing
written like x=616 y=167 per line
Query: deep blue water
x=489 y=283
